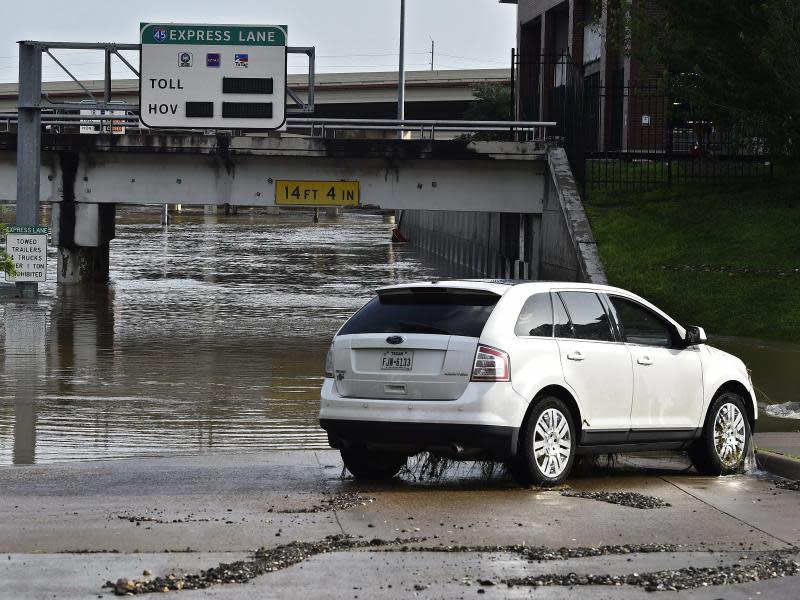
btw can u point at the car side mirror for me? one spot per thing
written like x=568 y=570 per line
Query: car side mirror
x=695 y=335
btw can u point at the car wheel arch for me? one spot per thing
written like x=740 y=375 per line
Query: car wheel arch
x=563 y=394
x=738 y=388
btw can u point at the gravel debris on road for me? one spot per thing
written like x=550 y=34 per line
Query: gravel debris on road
x=674 y=580
x=540 y=553
x=788 y=484
x=336 y=501
x=265 y=560
x=632 y=499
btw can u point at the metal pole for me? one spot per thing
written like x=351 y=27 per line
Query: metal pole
x=433 y=45
x=29 y=145
x=107 y=82
x=401 y=83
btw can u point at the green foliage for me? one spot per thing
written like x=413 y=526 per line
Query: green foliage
x=735 y=62
x=6 y=264
x=726 y=258
x=492 y=103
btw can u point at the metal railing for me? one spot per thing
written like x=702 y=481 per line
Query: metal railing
x=633 y=135
x=524 y=131
x=425 y=128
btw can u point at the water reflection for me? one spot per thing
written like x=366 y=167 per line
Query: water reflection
x=211 y=336
x=25 y=335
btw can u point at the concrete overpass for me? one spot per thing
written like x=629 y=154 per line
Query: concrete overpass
x=514 y=201
x=503 y=209
x=215 y=170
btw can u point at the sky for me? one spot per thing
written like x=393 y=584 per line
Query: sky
x=349 y=35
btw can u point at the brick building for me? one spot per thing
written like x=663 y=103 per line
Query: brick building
x=564 y=42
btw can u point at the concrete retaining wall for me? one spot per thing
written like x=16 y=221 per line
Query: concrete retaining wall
x=568 y=249
x=465 y=239
x=556 y=244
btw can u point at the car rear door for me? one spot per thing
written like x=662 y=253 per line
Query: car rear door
x=415 y=343
x=595 y=365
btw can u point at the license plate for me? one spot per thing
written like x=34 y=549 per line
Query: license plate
x=397 y=360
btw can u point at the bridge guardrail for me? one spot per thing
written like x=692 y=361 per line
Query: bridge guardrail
x=531 y=131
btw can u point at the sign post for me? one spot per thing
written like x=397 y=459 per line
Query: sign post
x=29 y=145
x=27 y=247
x=213 y=76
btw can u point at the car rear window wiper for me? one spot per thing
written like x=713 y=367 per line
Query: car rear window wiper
x=421 y=328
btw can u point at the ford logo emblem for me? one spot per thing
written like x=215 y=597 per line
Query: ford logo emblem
x=395 y=339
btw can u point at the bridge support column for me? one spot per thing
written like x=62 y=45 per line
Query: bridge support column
x=82 y=232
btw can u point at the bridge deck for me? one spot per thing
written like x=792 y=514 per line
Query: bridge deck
x=459 y=175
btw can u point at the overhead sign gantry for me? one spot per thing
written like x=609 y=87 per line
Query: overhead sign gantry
x=213 y=76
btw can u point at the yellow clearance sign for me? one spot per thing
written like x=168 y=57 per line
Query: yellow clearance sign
x=317 y=193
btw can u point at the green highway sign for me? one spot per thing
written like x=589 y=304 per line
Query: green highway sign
x=29 y=230
x=218 y=35
x=213 y=76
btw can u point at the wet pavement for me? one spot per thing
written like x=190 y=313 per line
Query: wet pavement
x=66 y=529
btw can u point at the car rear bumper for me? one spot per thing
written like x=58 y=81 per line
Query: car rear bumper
x=483 y=422
x=458 y=441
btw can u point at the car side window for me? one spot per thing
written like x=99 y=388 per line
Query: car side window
x=589 y=318
x=639 y=325
x=562 y=327
x=536 y=317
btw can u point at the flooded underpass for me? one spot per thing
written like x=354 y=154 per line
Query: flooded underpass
x=211 y=337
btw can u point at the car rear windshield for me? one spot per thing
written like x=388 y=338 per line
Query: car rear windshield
x=420 y=310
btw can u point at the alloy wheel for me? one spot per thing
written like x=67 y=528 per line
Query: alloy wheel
x=729 y=434
x=552 y=442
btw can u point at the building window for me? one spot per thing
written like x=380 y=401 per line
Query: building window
x=592 y=43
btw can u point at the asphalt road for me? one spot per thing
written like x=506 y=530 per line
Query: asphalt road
x=65 y=529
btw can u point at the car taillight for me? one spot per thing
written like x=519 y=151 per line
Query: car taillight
x=491 y=364
x=329 y=363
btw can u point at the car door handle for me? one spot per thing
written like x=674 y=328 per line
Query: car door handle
x=644 y=360
x=577 y=355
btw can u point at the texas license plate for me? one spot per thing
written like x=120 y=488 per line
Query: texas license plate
x=397 y=360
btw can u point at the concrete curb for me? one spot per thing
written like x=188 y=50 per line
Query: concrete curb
x=778 y=464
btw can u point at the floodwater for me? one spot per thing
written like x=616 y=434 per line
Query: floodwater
x=212 y=337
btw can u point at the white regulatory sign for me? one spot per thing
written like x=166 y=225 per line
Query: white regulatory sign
x=27 y=247
x=213 y=76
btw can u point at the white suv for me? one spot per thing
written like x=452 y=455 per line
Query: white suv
x=531 y=374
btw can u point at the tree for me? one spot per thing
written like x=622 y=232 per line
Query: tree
x=736 y=62
x=492 y=103
x=6 y=264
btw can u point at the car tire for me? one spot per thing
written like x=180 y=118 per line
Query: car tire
x=723 y=446
x=547 y=444
x=367 y=464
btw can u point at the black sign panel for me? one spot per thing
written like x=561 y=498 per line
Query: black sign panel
x=247 y=110
x=247 y=85
x=199 y=109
